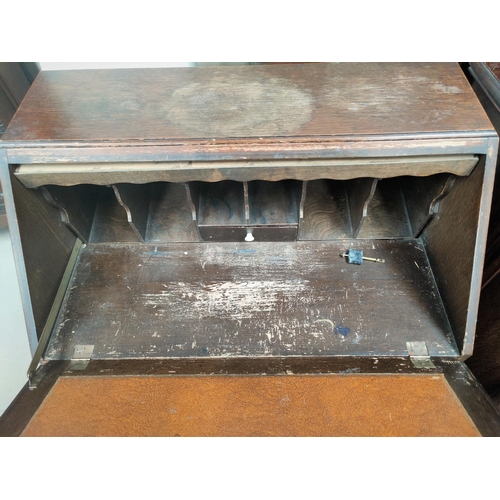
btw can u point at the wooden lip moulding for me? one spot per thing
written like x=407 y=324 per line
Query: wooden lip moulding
x=200 y=213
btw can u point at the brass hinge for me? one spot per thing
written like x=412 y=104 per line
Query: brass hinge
x=419 y=355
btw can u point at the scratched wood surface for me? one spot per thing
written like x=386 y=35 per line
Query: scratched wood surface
x=248 y=102
x=239 y=299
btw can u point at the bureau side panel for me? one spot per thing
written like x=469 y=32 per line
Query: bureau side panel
x=46 y=244
x=455 y=242
x=17 y=250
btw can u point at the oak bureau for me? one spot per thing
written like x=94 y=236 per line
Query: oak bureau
x=193 y=226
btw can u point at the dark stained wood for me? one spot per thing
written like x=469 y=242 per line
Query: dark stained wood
x=135 y=201
x=222 y=210
x=472 y=396
x=455 y=242
x=325 y=211
x=42 y=234
x=21 y=410
x=223 y=233
x=485 y=362
x=248 y=102
x=227 y=304
x=359 y=194
x=274 y=203
x=76 y=205
x=221 y=204
x=193 y=197
x=275 y=233
x=386 y=215
x=489 y=82
x=492 y=108
x=110 y=220
x=170 y=215
x=246 y=202
x=14 y=82
x=267 y=149
x=290 y=365
x=7 y=110
x=240 y=299
x=242 y=171
x=422 y=197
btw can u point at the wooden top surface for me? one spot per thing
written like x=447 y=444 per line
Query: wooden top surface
x=494 y=68
x=248 y=104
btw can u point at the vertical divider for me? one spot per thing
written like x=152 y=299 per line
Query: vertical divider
x=247 y=203
x=359 y=194
x=76 y=205
x=246 y=198
x=193 y=197
x=301 y=208
x=135 y=198
x=422 y=197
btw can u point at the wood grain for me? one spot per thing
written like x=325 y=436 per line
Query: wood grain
x=271 y=170
x=239 y=299
x=221 y=204
x=325 y=211
x=135 y=201
x=359 y=194
x=170 y=215
x=386 y=215
x=422 y=197
x=274 y=203
x=42 y=234
x=455 y=241
x=234 y=150
x=248 y=102
x=485 y=362
x=110 y=220
x=77 y=206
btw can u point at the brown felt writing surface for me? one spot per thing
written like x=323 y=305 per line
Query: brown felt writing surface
x=323 y=405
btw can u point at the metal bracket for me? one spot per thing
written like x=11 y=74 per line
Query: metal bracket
x=81 y=357
x=419 y=355
x=51 y=320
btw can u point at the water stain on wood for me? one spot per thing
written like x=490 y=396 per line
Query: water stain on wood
x=229 y=104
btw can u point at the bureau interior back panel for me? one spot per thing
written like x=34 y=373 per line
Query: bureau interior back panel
x=133 y=300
